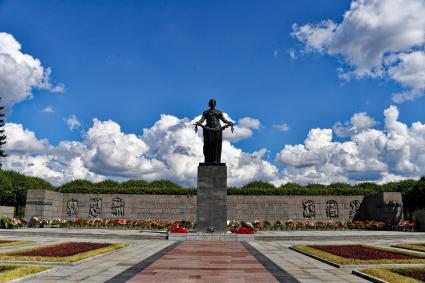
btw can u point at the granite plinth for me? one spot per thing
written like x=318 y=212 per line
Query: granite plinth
x=420 y=220
x=209 y=237
x=212 y=198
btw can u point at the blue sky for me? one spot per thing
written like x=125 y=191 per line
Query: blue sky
x=130 y=61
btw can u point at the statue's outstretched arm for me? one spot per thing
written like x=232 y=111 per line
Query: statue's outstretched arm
x=200 y=121
x=225 y=120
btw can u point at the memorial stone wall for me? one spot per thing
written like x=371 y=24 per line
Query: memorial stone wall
x=50 y=204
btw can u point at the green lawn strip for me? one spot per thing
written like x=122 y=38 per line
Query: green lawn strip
x=10 y=272
x=14 y=243
x=349 y=261
x=412 y=246
x=387 y=275
x=66 y=259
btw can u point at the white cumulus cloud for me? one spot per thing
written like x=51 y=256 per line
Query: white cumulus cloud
x=170 y=149
x=20 y=73
x=242 y=130
x=395 y=153
x=358 y=123
x=20 y=140
x=376 y=38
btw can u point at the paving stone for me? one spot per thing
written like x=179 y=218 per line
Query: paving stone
x=303 y=268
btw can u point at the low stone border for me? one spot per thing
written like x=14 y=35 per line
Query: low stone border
x=317 y=258
x=132 y=271
x=368 y=277
x=280 y=274
x=209 y=237
x=136 y=235
x=403 y=247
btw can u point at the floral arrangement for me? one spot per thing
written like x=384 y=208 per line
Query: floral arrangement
x=406 y=225
x=178 y=229
x=232 y=225
x=244 y=230
x=291 y=224
x=244 y=227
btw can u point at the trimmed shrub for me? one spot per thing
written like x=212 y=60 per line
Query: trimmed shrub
x=258 y=184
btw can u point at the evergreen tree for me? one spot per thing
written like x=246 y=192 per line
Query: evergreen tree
x=2 y=135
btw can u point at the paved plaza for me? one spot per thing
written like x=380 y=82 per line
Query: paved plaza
x=150 y=259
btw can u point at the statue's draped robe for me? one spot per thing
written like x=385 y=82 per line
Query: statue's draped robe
x=212 y=138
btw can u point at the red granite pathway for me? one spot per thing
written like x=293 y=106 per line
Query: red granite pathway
x=206 y=261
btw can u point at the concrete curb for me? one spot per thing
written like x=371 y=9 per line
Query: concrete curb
x=368 y=277
x=316 y=257
x=141 y=236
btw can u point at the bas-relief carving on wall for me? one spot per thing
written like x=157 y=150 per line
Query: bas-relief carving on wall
x=332 y=209
x=72 y=208
x=95 y=207
x=354 y=208
x=118 y=207
x=309 y=209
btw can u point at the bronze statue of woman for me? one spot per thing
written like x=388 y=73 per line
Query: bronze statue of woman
x=213 y=132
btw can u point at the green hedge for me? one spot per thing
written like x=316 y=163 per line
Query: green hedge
x=163 y=187
x=13 y=188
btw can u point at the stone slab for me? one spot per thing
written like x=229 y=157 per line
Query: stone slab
x=7 y=211
x=420 y=220
x=212 y=198
x=385 y=207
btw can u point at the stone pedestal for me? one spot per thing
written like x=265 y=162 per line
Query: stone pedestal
x=420 y=220
x=212 y=197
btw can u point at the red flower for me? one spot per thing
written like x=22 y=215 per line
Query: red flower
x=178 y=229
x=245 y=230
x=122 y=222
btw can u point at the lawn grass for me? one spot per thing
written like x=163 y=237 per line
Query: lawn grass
x=11 y=272
x=387 y=275
x=350 y=261
x=67 y=259
x=6 y=243
x=420 y=247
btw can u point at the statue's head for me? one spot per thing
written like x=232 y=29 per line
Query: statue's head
x=212 y=103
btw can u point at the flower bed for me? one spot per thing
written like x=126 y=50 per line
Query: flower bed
x=420 y=247
x=63 y=252
x=407 y=274
x=164 y=225
x=416 y=273
x=309 y=224
x=10 y=272
x=360 y=254
x=98 y=223
x=6 y=243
